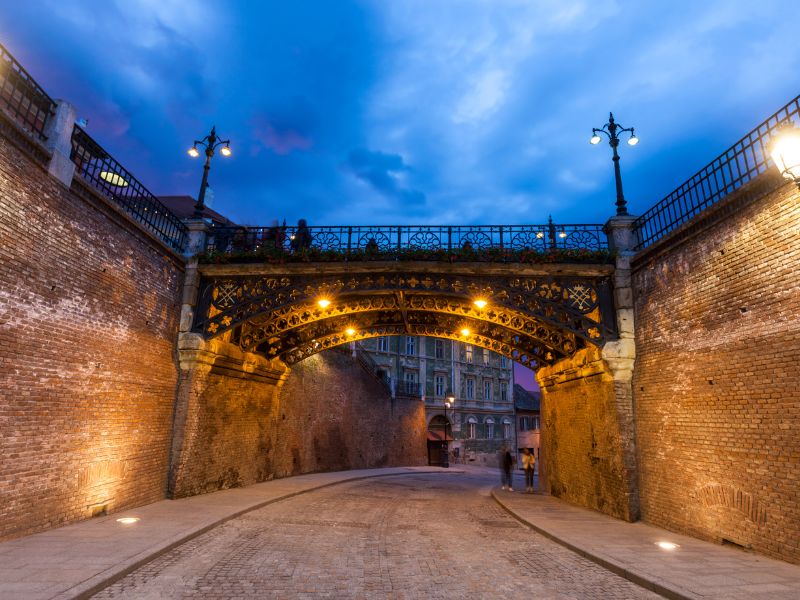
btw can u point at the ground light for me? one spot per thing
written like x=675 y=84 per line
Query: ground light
x=667 y=545
x=128 y=520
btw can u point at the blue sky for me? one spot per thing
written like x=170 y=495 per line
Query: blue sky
x=412 y=111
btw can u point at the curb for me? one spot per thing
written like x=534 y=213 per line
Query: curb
x=99 y=582
x=651 y=584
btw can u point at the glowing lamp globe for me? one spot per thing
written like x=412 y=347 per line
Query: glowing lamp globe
x=785 y=153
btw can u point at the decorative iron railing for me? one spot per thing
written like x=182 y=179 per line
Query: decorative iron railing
x=387 y=238
x=741 y=163
x=22 y=97
x=108 y=176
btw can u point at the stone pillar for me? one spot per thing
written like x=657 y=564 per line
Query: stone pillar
x=59 y=141
x=196 y=238
x=620 y=355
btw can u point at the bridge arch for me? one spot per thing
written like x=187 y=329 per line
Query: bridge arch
x=534 y=314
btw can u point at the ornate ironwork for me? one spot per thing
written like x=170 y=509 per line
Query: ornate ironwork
x=531 y=319
x=108 y=176
x=384 y=238
x=22 y=97
x=740 y=163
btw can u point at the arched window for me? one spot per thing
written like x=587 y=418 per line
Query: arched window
x=472 y=425
x=507 y=429
x=489 y=428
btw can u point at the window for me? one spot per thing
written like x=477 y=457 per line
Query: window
x=439 y=346
x=490 y=429
x=528 y=423
x=438 y=384
x=485 y=357
x=382 y=344
x=470 y=389
x=503 y=362
x=503 y=391
x=468 y=353
x=487 y=391
x=410 y=345
x=411 y=382
x=536 y=422
x=471 y=427
x=507 y=429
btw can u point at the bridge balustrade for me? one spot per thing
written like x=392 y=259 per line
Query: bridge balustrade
x=422 y=238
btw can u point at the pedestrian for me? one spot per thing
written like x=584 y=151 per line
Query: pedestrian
x=506 y=465
x=302 y=237
x=528 y=463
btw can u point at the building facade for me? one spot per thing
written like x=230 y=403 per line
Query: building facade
x=527 y=406
x=480 y=420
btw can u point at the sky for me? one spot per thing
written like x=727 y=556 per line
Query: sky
x=412 y=111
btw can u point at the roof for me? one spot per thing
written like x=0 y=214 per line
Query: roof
x=183 y=208
x=524 y=399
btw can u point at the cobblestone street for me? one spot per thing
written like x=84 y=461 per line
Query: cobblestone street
x=422 y=536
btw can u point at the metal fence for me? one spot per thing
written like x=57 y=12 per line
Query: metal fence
x=22 y=97
x=387 y=238
x=741 y=163
x=108 y=176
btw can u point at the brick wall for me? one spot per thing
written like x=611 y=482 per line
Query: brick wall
x=88 y=319
x=586 y=427
x=246 y=425
x=716 y=384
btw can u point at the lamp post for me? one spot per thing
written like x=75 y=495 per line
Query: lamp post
x=449 y=402
x=785 y=153
x=611 y=130
x=211 y=142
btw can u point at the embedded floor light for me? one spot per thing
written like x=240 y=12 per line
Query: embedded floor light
x=667 y=545
x=128 y=520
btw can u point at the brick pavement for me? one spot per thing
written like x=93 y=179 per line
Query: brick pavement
x=419 y=536
x=435 y=536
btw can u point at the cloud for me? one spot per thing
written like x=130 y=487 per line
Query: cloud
x=385 y=174
x=280 y=138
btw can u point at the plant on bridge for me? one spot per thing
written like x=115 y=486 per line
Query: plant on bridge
x=494 y=255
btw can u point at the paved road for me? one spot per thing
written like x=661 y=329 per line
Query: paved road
x=415 y=536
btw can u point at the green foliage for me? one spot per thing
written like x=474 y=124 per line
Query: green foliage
x=456 y=255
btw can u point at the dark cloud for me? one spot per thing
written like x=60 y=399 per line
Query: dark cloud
x=493 y=100
x=383 y=171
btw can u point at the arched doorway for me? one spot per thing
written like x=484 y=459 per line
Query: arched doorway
x=440 y=434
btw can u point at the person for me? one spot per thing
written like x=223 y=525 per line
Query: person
x=506 y=466
x=528 y=463
x=302 y=237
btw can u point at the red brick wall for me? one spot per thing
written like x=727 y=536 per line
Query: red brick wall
x=88 y=320
x=716 y=384
x=585 y=428
x=328 y=415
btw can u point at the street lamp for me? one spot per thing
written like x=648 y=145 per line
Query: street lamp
x=449 y=402
x=211 y=142
x=611 y=129
x=785 y=153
